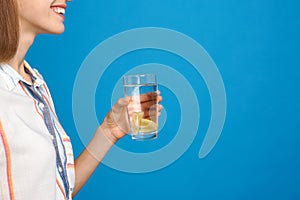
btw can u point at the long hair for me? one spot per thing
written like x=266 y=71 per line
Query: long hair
x=9 y=29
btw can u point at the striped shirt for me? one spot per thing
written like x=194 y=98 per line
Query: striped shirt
x=29 y=167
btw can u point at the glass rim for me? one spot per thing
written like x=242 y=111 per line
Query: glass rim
x=138 y=75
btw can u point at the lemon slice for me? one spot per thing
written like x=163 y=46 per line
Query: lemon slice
x=136 y=121
x=142 y=125
x=147 y=125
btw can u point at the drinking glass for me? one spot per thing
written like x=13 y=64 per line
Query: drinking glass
x=141 y=89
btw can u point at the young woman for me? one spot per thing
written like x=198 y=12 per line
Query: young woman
x=36 y=156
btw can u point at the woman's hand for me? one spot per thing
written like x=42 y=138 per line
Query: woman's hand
x=116 y=124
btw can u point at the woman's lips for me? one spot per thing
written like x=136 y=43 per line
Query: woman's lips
x=59 y=9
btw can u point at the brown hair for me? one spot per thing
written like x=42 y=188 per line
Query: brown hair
x=9 y=29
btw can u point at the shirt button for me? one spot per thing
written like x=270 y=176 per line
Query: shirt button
x=42 y=106
x=59 y=169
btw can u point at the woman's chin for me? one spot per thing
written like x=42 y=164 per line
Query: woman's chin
x=57 y=29
x=54 y=32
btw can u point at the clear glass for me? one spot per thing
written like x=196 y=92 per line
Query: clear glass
x=142 y=108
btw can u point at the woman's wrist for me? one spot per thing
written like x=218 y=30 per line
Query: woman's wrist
x=108 y=133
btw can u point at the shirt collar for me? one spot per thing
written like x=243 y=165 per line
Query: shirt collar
x=15 y=77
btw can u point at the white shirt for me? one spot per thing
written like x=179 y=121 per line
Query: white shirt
x=28 y=168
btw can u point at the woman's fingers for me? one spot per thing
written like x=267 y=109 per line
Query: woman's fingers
x=149 y=108
x=147 y=103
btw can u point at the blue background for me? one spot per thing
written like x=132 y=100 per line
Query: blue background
x=256 y=46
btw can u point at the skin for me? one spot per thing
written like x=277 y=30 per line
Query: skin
x=37 y=17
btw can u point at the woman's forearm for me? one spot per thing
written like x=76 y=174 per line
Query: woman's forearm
x=91 y=156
